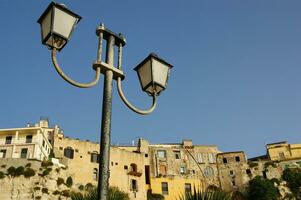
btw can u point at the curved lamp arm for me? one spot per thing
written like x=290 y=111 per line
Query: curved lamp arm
x=131 y=106
x=69 y=80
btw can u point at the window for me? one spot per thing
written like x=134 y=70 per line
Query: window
x=94 y=157
x=248 y=171
x=187 y=188
x=8 y=139
x=2 y=153
x=177 y=154
x=182 y=170
x=28 y=139
x=133 y=167
x=147 y=174
x=200 y=158
x=211 y=158
x=24 y=153
x=125 y=167
x=231 y=172
x=281 y=156
x=95 y=174
x=233 y=183
x=43 y=143
x=134 y=185
x=69 y=152
x=208 y=171
x=237 y=158
x=164 y=186
x=146 y=155
x=61 y=148
x=161 y=153
x=225 y=160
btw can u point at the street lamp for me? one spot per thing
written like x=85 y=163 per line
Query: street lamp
x=57 y=23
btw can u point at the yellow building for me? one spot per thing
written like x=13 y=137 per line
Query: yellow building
x=283 y=151
x=128 y=167
x=29 y=142
x=177 y=168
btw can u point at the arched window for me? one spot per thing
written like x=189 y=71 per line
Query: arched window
x=94 y=157
x=208 y=171
x=69 y=152
x=133 y=167
x=95 y=174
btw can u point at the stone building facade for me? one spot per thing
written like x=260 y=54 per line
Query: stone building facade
x=177 y=168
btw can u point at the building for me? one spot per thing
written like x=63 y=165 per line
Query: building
x=281 y=151
x=177 y=168
x=127 y=165
x=31 y=142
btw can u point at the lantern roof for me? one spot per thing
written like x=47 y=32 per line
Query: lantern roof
x=60 y=6
x=152 y=55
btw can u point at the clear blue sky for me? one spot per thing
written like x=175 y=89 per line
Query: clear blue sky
x=236 y=80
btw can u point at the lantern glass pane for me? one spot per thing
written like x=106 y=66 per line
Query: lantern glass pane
x=145 y=74
x=63 y=23
x=160 y=72
x=46 y=25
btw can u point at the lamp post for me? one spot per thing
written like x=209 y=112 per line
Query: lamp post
x=57 y=24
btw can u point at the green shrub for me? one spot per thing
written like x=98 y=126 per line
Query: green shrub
x=154 y=196
x=207 y=194
x=275 y=180
x=253 y=164
x=19 y=171
x=28 y=165
x=114 y=194
x=60 y=181
x=66 y=193
x=11 y=171
x=28 y=172
x=269 y=163
x=58 y=170
x=69 y=182
x=293 y=179
x=262 y=189
x=45 y=190
x=46 y=163
x=56 y=192
x=2 y=175
x=36 y=188
x=46 y=171
x=89 y=186
x=81 y=187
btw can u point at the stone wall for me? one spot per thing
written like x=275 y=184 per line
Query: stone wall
x=36 y=187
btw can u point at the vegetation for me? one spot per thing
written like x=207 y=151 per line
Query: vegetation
x=114 y=194
x=60 y=181
x=45 y=190
x=46 y=171
x=81 y=187
x=270 y=163
x=19 y=171
x=207 y=194
x=28 y=165
x=69 y=182
x=262 y=189
x=28 y=172
x=56 y=192
x=293 y=179
x=66 y=193
x=2 y=175
x=253 y=164
x=46 y=163
x=11 y=171
x=154 y=196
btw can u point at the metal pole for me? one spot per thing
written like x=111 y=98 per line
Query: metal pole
x=103 y=178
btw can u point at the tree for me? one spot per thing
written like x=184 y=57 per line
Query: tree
x=293 y=179
x=262 y=189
